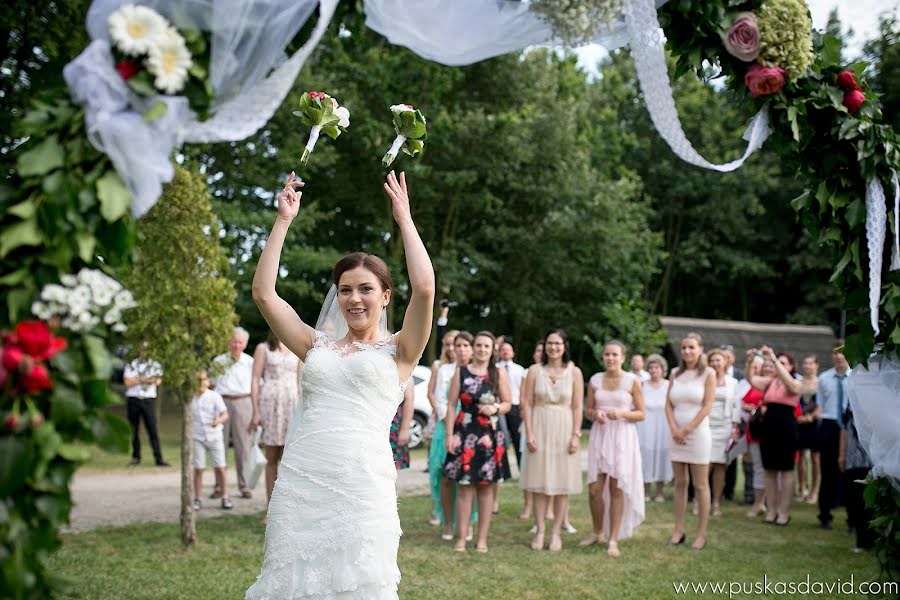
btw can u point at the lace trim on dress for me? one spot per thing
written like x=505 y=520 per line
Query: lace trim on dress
x=387 y=345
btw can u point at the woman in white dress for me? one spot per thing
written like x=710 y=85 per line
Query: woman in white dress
x=692 y=386
x=332 y=530
x=724 y=418
x=653 y=431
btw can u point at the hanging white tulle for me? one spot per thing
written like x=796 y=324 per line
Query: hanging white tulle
x=874 y=395
x=248 y=39
x=462 y=32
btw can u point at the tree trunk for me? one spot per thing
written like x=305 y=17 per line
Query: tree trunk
x=188 y=519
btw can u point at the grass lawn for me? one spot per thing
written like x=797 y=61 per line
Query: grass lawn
x=148 y=562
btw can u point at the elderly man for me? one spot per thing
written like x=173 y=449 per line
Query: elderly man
x=232 y=373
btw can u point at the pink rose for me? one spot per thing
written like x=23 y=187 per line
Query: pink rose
x=846 y=80
x=741 y=40
x=764 y=81
x=853 y=100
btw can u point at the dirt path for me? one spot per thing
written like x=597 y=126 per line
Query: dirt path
x=136 y=496
x=124 y=497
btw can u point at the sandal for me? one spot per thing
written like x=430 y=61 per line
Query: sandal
x=555 y=543
x=538 y=542
x=594 y=538
x=613 y=549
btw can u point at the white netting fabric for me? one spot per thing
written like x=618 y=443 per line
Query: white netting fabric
x=648 y=50
x=874 y=395
x=248 y=38
x=462 y=32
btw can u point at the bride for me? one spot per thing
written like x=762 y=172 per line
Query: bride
x=332 y=529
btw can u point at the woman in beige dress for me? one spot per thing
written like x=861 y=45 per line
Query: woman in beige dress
x=551 y=411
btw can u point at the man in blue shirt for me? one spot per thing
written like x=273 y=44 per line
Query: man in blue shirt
x=832 y=401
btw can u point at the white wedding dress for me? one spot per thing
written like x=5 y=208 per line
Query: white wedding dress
x=332 y=529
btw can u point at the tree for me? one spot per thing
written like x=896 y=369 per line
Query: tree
x=186 y=302
x=883 y=53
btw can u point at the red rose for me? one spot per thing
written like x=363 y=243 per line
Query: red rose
x=846 y=80
x=36 y=379
x=12 y=422
x=127 y=69
x=764 y=81
x=853 y=100
x=12 y=356
x=35 y=339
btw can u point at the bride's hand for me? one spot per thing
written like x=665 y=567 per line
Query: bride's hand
x=289 y=198
x=399 y=195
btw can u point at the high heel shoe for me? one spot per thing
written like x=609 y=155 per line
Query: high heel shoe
x=613 y=550
x=678 y=543
x=538 y=542
x=555 y=543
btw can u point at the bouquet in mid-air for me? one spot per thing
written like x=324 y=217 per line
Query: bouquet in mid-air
x=409 y=123
x=322 y=114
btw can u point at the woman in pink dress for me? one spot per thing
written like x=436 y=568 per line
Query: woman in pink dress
x=615 y=403
x=273 y=399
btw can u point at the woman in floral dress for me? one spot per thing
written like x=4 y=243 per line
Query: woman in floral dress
x=476 y=456
x=399 y=435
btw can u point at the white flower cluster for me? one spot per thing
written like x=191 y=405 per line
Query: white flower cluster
x=140 y=31
x=577 y=21
x=83 y=301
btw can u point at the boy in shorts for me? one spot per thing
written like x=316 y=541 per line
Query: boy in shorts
x=210 y=413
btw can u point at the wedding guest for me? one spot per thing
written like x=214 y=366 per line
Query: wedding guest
x=399 y=433
x=653 y=431
x=831 y=398
x=462 y=352
x=724 y=418
x=615 y=480
x=527 y=504
x=738 y=374
x=516 y=373
x=476 y=457
x=437 y=397
x=232 y=374
x=692 y=388
x=854 y=463
x=732 y=370
x=209 y=413
x=751 y=399
x=637 y=367
x=807 y=431
x=778 y=437
x=551 y=408
x=142 y=376
x=273 y=399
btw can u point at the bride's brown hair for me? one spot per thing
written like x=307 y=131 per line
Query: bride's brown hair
x=370 y=262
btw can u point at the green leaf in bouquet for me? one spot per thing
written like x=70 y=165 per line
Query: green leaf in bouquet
x=197 y=71
x=413 y=147
x=15 y=462
x=305 y=120
x=74 y=453
x=41 y=158
x=23 y=210
x=66 y=406
x=315 y=115
x=113 y=195
x=331 y=131
x=98 y=356
x=111 y=432
x=418 y=130
x=407 y=119
x=142 y=85
x=156 y=111
x=86 y=243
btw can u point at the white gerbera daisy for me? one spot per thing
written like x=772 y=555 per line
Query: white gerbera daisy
x=169 y=61
x=401 y=108
x=136 y=29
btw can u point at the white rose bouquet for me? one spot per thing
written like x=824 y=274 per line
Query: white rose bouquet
x=84 y=301
x=322 y=114
x=409 y=123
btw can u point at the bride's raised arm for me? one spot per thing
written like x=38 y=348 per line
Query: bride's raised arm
x=417 y=321
x=281 y=317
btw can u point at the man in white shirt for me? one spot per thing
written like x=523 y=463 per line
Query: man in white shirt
x=637 y=367
x=142 y=376
x=516 y=374
x=232 y=373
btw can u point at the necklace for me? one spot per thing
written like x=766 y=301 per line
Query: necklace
x=560 y=371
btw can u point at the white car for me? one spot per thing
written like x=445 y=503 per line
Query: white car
x=421 y=375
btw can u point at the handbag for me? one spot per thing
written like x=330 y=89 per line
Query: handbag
x=756 y=423
x=256 y=461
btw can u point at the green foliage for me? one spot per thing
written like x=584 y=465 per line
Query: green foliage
x=629 y=321
x=179 y=281
x=884 y=500
x=39 y=458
